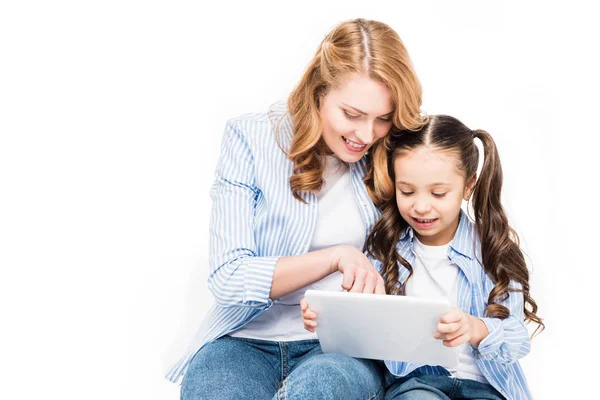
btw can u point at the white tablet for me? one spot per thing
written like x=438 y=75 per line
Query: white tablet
x=381 y=327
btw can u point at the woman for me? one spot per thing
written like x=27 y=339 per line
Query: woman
x=291 y=212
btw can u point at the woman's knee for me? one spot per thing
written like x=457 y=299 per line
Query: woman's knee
x=333 y=376
x=229 y=369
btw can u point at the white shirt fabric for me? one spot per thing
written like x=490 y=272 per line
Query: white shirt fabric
x=434 y=275
x=338 y=222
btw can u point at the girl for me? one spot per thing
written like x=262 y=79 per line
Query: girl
x=285 y=179
x=427 y=246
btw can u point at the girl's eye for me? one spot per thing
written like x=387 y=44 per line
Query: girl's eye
x=406 y=193
x=438 y=194
x=350 y=116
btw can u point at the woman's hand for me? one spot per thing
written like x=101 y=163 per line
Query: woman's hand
x=309 y=318
x=359 y=274
x=457 y=327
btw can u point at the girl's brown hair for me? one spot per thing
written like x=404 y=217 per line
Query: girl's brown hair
x=502 y=258
x=356 y=46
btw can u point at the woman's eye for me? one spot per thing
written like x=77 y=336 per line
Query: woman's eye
x=385 y=120
x=439 y=194
x=350 y=116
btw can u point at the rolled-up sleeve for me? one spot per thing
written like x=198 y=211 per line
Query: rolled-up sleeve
x=238 y=275
x=508 y=339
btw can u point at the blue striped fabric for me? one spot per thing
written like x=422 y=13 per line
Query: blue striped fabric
x=508 y=340
x=254 y=221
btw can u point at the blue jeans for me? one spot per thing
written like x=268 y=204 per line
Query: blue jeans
x=238 y=368
x=436 y=387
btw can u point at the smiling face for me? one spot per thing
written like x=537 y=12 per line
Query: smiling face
x=429 y=192
x=355 y=115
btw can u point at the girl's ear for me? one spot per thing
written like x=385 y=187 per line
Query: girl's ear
x=469 y=187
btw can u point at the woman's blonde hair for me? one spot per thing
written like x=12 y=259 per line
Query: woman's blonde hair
x=356 y=46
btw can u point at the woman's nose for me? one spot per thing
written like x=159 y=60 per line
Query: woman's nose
x=365 y=133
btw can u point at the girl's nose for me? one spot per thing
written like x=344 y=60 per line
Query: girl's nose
x=422 y=207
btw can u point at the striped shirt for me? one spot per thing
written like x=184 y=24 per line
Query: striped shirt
x=508 y=340
x=255 y=220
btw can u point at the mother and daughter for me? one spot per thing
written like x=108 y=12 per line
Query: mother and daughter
x=349 y=162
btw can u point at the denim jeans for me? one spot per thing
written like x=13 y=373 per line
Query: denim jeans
x=437 y=387
x=239 y=368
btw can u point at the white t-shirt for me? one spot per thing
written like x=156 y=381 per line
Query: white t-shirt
x=338 y=222
x=434 y=275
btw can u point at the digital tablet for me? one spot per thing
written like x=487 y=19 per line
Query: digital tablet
x=381 y=327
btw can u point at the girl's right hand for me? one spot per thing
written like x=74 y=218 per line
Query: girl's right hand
x=359 y=274
x=309 y=318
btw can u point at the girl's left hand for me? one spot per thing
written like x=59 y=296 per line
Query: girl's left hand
x=454 y=328
x=309 y=318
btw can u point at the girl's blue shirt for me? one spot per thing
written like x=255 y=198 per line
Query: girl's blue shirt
x=508 y=340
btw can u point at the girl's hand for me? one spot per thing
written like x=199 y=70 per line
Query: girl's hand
x=360 y=276
x=454 y=328
x=457 y=327
x=309 y=318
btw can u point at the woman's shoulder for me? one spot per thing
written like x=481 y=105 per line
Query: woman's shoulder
x=266 y=135
x=263 y=125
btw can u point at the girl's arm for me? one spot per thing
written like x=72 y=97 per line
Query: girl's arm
x=508 y=339
x=500 y=340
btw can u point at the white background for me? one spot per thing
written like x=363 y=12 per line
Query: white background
x=111 y=116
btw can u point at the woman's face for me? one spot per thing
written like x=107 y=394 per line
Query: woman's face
x=355 y=115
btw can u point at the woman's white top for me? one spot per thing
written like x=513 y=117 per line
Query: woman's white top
x=338 y=222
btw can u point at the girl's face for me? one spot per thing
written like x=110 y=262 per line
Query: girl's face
x=429 y=192
x=356 y=115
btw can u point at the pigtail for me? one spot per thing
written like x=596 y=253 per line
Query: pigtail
x=502 y=258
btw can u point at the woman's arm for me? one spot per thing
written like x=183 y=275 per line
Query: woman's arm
x=291 y=273
x=238 y=276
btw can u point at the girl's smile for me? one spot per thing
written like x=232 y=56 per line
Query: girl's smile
x=429 y=193
x=423 y=223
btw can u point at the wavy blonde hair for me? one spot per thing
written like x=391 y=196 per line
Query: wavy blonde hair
x=355 y=46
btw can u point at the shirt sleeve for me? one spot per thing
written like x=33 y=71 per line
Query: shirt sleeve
x=376 y=264
x=508 y=339
x=238 y=276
